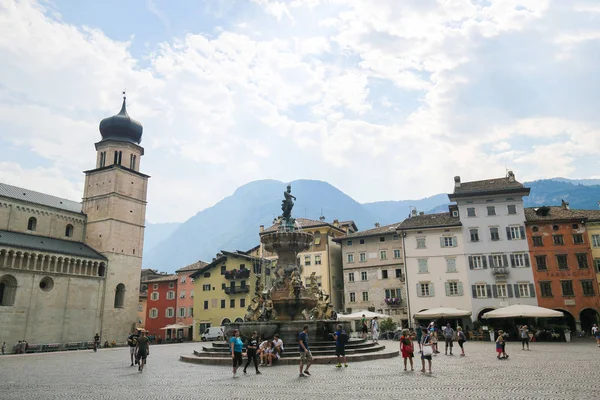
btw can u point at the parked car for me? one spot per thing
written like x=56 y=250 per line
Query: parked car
x=213 y=333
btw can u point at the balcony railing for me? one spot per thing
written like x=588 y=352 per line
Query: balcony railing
x=500 y=272
x=395 y=302
x=237 y=274
x=235 y=290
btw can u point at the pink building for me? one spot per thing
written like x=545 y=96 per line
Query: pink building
x=184 y=315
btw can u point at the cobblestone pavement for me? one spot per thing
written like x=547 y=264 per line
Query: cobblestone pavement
x=548 y=371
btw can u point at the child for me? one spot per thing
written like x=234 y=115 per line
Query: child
x=462 y=338
x=501 y=346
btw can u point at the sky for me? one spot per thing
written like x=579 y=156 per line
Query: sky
x=384 y=99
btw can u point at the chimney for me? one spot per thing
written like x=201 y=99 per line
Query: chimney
x=336 y=223
x=564 y=205
x=262 y=228
x=457 y=181
x=422 y=213
x=377 y=225
x=413 y=212
x=511 y=176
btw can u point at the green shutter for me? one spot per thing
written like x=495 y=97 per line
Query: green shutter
x=419 y=290
x=460 y=288
x=447 y=285
x=431 y=290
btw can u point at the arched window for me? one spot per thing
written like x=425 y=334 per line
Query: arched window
x=31 y=224
x=102 y=159
x=120 y=296
x=116 y=157
x=120 y=157
x=8 y=290
x=134 y=161
x=69 y=231
x=225 y=321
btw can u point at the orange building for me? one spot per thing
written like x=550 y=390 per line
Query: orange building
x=185 y=299
x=562 y=260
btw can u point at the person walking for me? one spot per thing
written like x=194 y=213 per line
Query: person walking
x=236 y=345
x=524 y=332
x=132 y=343
x=462 y=338
x=501 y=346
x=449 y=338
x=419 y=332
x=143 y=350
x=251 y=350
x=305 y=355
x=341 y=338
x=596 y=334
x=407 y=349
x=375 y=330
x=427 y=350
x=3 y=348
x=364 y=327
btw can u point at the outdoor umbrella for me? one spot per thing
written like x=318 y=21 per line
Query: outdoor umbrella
x=442 y=312
x=358 y=315
x=523 y=311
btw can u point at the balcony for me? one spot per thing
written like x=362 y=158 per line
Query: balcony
x=237 y=274
x=500 y=272
x=395 y=302
x=236 y=290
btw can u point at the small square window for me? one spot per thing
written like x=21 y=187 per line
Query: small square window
x=362 y=241
x=491 y=210
x=384 y=274
x=512 y=209
x=471 y=212
x=349 y=242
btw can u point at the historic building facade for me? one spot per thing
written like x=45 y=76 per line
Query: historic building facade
x=493 y=219
x=161 y=305
x=436 y=265
x=185 y=298
x=373 y=270
x=563 y=264
x=69 y=270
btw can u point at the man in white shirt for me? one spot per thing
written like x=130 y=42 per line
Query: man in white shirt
x=262 y=352
x=277 y=346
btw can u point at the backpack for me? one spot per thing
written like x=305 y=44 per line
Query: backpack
x=343 y=337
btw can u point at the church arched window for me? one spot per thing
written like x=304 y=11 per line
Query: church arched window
x=120 y=296
x=69 y=231
x=8 y=290
x=101 y=269
x=32 y=224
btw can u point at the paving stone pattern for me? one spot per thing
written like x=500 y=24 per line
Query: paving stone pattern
x=548 y=371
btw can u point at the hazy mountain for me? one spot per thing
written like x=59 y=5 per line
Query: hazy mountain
x=586 y=182
x=233 y=223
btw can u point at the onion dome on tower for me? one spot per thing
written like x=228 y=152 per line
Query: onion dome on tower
x=121 y=127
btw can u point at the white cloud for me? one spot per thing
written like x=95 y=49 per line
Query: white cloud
x=385 y=101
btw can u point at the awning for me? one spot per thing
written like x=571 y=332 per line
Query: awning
x=442 y=312
x=523 y=311
x=175 y=326
x=358 y=315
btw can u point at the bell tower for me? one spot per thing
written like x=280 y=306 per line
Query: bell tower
x=114 y=201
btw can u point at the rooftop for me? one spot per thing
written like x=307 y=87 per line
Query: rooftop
x=43 y=199
x=558 y=213
x=193 y=267
x=379 y=230
x=167 y=278
x=51 y=245
x=506 y=184
x=429 y=221
x=305 y=223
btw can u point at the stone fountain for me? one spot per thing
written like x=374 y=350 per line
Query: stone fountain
x=288 y=304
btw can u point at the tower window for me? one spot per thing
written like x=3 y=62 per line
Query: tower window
x=116 y=157
x=132 y=161
x=120 y=296
x=101 y=269
x=69 y=231
x=31 y=224
x=120 y=157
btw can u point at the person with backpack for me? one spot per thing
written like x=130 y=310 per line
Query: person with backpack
x=341 y=339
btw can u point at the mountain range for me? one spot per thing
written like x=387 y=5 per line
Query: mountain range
x=234 y=222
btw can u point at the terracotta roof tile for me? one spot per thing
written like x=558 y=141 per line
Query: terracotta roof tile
x=193 y=267
x=380 y=230
x=167 y=278
x=487 y=186
x=430 y=221
x=557 y=213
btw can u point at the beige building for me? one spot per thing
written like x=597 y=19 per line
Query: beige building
x=69 y=270
x=324 y=257
x=373 y=270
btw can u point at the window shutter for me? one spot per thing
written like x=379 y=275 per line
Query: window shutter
x=488 y=289
x=484 y=261
x=512 y=260
x=454 y=241
x=491 y=261
x=460 y=288
x=504 y=260
x=522 y=229
x=431 y=290
x=418 y=290
x=474 y=289
x=517 y=290
x=508 y=233
x=470 y=262
x=379 y=274
x=399 y=293
x=442 y=242
x=509 y=289
x=531 y=290
x=526 y=257
x=495 y=291
x=447 y=285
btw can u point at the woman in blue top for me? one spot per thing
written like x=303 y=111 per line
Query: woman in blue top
x=236 y=345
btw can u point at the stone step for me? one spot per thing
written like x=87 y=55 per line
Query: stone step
x=328 y=346
x=290 y=354
x=352 y=342
x=376 y=354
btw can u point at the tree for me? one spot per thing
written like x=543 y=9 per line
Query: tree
x=388 y=325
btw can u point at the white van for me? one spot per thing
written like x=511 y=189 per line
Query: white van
x=213 y=333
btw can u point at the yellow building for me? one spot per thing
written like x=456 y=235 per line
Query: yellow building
x=324 y=257
x=223 y=289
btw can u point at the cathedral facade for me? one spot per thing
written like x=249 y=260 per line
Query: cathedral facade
x=69 y=270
